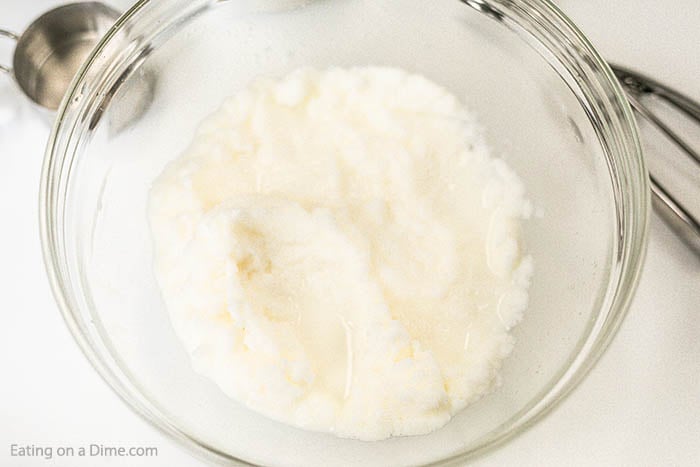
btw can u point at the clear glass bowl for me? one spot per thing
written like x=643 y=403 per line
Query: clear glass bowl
x=550 y=107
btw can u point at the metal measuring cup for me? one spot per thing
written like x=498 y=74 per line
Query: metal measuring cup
x=50 y=51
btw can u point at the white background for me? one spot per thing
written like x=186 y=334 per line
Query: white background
x=639 y=406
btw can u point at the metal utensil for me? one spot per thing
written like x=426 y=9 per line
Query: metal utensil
x=669 y=208
x=50 y=51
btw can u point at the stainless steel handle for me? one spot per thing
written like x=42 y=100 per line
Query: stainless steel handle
x=677 y=216
x=640 y=84
x=14 y=37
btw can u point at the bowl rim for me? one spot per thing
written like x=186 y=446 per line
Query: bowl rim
x=632 y=254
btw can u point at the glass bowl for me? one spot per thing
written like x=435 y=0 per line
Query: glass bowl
x=550 y=107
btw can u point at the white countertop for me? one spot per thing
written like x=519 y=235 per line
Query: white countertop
x=639 y=406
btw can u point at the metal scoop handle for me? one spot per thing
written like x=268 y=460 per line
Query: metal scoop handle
x=14 y=37
x=686 y=226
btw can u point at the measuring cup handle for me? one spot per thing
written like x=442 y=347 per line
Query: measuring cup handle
x=14 y=37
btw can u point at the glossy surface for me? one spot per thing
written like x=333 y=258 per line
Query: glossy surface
x=676 y=211
x=51 y=50
x=555 y=114
x=654 y=351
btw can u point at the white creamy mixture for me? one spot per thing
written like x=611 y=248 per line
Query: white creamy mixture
x=339 y=252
